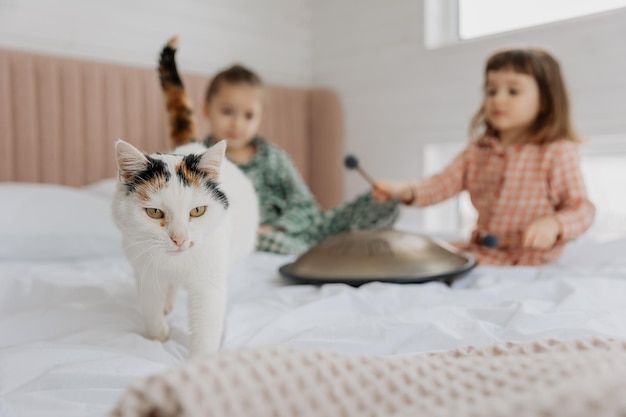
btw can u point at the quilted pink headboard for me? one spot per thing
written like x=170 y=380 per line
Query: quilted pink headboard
x=59 y=119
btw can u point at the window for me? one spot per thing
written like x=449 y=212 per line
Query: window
x=448 y=21
x=484 y=17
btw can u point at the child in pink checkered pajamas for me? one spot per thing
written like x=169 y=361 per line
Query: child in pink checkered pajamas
x=521 y=170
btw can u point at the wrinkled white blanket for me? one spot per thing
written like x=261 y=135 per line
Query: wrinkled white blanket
x=543 y=378
x=71 y=331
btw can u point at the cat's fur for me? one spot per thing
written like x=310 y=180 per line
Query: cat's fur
x=183 y=125
x=178 y=249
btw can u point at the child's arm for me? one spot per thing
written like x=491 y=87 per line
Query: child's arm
x=574 y=212
x=429 y=191
x=302 y=209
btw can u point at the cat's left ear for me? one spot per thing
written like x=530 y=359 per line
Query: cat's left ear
x=130 y=160
x=211 y=160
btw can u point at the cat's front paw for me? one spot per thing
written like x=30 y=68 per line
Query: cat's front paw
x=159 y=331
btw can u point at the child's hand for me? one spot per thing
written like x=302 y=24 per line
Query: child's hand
x=391 y=190
x=542 y=233
x=265 y=229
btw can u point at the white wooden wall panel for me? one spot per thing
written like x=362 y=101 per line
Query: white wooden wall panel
x=271 y=36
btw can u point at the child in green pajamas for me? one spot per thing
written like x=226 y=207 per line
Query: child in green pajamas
x=291 y=220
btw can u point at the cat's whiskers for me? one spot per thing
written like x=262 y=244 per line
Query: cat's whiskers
x=142 y=252
x=138 y=242
x=151 y=256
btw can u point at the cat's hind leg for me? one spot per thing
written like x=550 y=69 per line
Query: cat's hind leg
x=170 y=300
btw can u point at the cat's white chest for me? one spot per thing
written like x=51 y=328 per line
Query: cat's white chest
x=197 y=264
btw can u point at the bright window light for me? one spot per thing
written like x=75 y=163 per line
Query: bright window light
x=484 y=17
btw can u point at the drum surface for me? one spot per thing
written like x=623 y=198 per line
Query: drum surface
x=359 y=257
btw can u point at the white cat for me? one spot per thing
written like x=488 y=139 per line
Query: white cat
x=185 y=217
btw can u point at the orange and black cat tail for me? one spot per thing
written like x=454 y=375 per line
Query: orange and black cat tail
x=183 y=126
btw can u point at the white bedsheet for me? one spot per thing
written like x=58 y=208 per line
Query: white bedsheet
x=70 y=332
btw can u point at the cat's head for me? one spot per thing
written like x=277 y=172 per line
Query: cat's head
x=170 y=202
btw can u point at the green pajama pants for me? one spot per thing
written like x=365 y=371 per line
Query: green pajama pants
x=362 y=213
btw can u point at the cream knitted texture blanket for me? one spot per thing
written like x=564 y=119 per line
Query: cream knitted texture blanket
x=543 y=378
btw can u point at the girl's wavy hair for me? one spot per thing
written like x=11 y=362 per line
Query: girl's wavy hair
x=235 y=75
x=553 y=121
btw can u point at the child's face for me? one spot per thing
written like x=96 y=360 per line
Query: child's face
x=512 y=101
x=234 y=114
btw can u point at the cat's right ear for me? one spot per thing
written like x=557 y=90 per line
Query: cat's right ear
x=212 y=159
x=130 y=160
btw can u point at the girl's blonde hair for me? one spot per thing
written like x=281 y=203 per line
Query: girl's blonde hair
x=553 y=121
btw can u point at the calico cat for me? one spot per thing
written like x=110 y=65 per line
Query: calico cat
x=185 y=217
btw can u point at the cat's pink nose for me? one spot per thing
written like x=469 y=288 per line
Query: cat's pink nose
x=179 y=240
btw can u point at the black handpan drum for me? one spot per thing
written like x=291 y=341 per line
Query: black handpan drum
x=359 y=257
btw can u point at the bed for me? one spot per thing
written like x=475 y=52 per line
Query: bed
x=70 y=327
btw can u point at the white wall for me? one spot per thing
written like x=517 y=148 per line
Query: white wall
x=272 y=37
x=399 y=96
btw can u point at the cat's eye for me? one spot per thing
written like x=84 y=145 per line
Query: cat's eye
x=155 y=213
x=198 y=211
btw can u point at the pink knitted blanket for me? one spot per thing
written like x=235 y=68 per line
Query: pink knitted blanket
x=545 y=378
